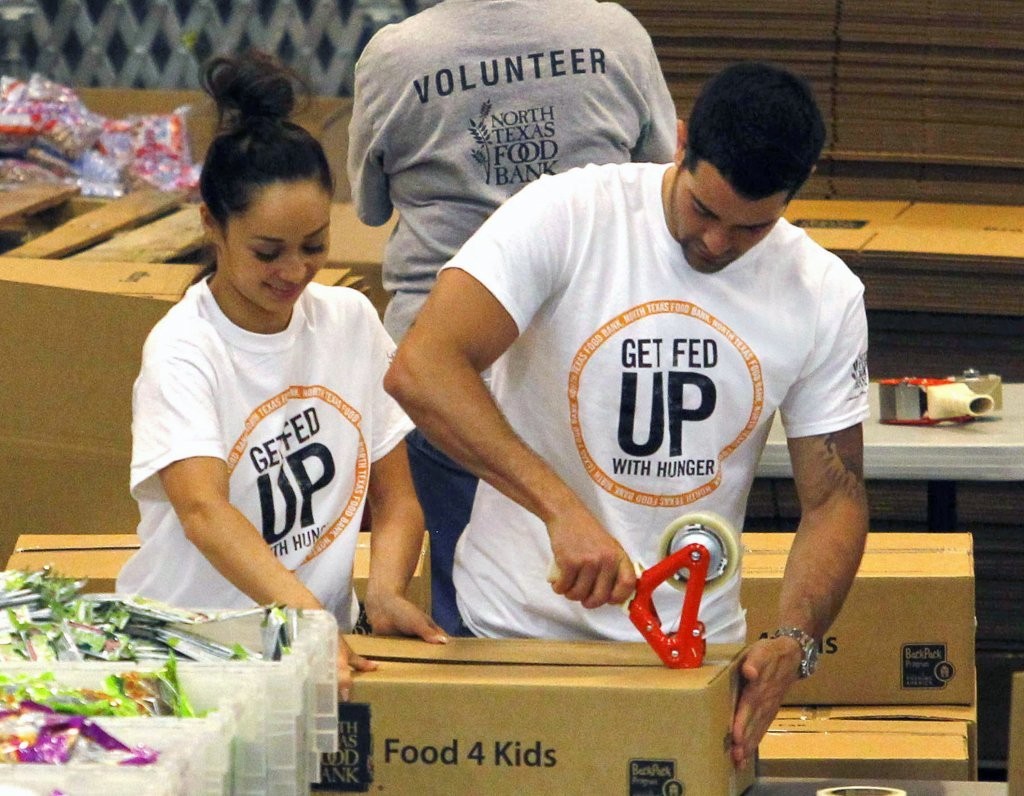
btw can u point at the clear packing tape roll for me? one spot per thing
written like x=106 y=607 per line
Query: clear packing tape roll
x=956 y=399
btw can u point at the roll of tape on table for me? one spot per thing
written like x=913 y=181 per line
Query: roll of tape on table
x=956 y=400
x=861 y=790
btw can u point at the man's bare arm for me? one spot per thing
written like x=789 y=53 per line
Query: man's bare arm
x=435 y=376
x=826 y=552
x=829 y=474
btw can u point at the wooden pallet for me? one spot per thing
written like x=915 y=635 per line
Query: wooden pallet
x=96 y=228
x=148 y=226
x=144 y=226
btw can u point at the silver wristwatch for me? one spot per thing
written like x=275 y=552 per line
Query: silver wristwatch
x=808 y=646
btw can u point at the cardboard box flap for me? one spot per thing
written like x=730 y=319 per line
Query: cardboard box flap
x=966 y=713
x=842 y=225
x=949 y=245
x=914 y=727
x=937 y=555
x=46 y=543
x=541 y=652
x=146 y=279
x=863 y=743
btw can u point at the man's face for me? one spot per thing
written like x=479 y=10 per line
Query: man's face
x=713 y=224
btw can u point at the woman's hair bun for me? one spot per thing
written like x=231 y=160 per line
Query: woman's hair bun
x=250 y=86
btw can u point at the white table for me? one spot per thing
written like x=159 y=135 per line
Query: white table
x=989 y=448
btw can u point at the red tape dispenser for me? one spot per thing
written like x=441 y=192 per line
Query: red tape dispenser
x=914 y=401
x=699 y=552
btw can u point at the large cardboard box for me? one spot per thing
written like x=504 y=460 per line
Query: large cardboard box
x=536 y=717
x=360 y=247
x=880 y=749
x=71 y=338
x=99 y=557
x=790 y=751
x=96 y=558
x=906 y=632
x=1015 y=756
x=843 y=226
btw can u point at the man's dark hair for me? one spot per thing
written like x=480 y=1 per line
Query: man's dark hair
x=760 y=126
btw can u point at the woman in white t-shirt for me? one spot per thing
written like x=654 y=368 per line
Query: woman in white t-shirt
x=260 y=426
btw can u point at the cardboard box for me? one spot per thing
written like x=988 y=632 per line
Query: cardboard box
x=1015 y=756
x=906 y=632
x=877 y=749
x=537 y=717
x=843 y=226
x=360 y=247
x=71 y=339
x=418 y=590
x=871 y=722
x=95 y=557
x=99 y=557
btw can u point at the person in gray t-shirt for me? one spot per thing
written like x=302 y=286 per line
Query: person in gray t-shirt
x=455 y=109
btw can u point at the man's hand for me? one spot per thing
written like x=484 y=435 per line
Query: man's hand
x=768 y=669
x=590 y=566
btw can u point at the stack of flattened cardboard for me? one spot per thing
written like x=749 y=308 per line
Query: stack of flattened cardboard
x=928 y=100
x=921 y=99
x=696 y=40
x=925 y=257
x=949 y=258
x=932 y=81
x=897 y=664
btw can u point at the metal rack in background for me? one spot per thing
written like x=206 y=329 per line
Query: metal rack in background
x=162 y=43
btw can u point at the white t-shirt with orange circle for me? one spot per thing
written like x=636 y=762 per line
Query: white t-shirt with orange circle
x=299 y=416
x=649 y=387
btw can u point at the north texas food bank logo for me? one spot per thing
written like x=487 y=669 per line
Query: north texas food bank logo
x=514 y=147
x=687 y=393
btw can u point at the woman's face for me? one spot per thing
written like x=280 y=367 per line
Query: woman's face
x=267 y=254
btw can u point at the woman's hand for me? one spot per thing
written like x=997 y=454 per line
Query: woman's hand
x=348 y=662
x=393 y=615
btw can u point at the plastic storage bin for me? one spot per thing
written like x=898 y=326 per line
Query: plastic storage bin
x=278 y=717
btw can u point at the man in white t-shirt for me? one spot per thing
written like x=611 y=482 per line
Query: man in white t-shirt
x=644 y=323
x=454 y=110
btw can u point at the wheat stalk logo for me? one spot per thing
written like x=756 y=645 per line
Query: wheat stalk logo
x=481 y=134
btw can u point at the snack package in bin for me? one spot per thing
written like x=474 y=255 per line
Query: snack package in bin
x=41 y=113
x=150 y=151
x=19 y=170
x=130 y=693
x=32 y=733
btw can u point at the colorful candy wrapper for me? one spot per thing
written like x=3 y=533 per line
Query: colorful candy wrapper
x=41 y=112
x=33 y=733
